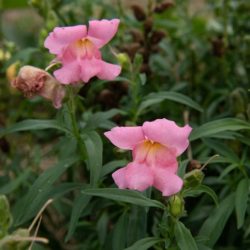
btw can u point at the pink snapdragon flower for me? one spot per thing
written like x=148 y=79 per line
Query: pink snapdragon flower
x=155 y=146
x=78 y=49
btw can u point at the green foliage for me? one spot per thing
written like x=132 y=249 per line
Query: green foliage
x=187 y=62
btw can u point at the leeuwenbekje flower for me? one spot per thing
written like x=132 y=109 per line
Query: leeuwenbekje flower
x=155 y=147
x=78 y=50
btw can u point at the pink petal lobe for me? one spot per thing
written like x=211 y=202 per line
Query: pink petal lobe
x=89 y=69
x=166 y=181
x=68 y=73
x=61 y=37
x=139 y=176
x=108 y=71
x=167 y=133
x=125 y=137
x=119 y=177
x=101 y=32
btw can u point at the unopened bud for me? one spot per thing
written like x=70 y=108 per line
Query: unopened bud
x=176 y=206
x=157 y=36
x=11 y=71
x=193 y=178
x=148 y=25
x=161 y=7
x=5 y=216
x=19 y=244
x=123 y=59
x=139 y=12
x=238 y=100
x=32 y=81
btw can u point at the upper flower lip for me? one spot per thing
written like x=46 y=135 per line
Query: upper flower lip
x=100 y=32
x=163 y=131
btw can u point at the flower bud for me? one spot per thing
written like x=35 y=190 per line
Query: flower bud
x=148 y=25
x=139 y=12
x=160 y=8
x=238 y=100
x=193 y=178
x=32 y=81
x=5 y=216
x=157 y=36
x=123 y=59
x=19 y=245
x=176 y=206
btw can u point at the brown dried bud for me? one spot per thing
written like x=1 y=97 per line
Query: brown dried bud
x=137 y=35
x=157 y=36
x=148 y=25
x=131 y=49
x=161 y=7
x=145 y=69
x=108 y=98
x=139 y=12
x=218 y=47
x=32 y=81
x=194 y=164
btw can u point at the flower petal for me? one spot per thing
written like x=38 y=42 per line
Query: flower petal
x=108 y=71
x=125 y=137
x=166 y=132
x=101 y=32
x=61 y=37
x=139 y=176
x=69 y=73
x=119 y=177
x=89 y=69
x=166 y=181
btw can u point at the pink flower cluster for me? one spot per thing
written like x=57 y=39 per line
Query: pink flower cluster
x=78 y=49
x=155 y=147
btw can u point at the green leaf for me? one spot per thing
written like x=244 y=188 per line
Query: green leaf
x=33 y=124
x=5 y=216
x=184 y=238
x=13 y=4
x=123 y=195
x=78 y=206
x=94 y=147
x=14 y=184
x=144 y=244
x=214 y=127
x=241 y=200
x=119 y=232
x=101 y=119
x=215 y=223
x=155 y=98
x=111 y=166
x=40 y=191
x=194 y=192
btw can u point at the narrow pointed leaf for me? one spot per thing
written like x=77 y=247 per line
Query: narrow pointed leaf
x=144 y=244
x=184 y=238
x=122 y=195
x=94 y=147
x=33 y=124
x=215 y=127
x=155 y=98
x=241 y=200
x=216 y=221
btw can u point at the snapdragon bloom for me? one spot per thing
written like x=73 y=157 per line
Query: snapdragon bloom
x=155 y=146
x=78 y=49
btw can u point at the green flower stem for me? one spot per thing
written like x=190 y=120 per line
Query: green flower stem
x=75 y=129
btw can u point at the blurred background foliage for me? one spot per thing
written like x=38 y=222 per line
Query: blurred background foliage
x=197 y=48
